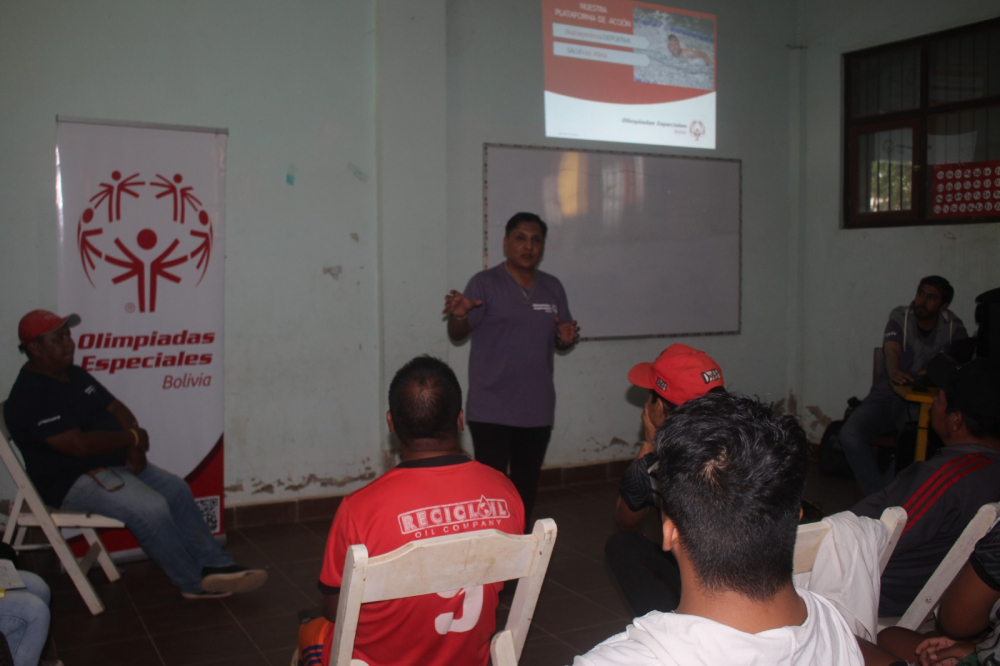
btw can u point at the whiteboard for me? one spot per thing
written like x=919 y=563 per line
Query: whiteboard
x=645 y=245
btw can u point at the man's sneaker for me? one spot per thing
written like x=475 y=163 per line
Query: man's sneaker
x=233 y=579
x=206 y=594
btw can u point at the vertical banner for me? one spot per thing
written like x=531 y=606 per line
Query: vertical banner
x=141 y=239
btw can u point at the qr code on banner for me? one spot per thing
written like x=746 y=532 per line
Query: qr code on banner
x=209 y=507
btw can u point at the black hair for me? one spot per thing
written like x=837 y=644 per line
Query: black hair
x=731 y=476
x=425 y=399
x=942 y=285
x=982 y=427
x=671 y=406
x=518 y=218
x=979 y=425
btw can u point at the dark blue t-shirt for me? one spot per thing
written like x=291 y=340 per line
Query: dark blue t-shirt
x=40 y=407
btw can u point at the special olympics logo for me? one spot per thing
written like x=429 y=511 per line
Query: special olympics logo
x=150 y=240
x=697 y=129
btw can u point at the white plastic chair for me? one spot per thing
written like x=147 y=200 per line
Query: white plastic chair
x=502 y=650
x=28 y=510
x=927 y=600
x=447 y=563
x=811 y=535
x=857 y=604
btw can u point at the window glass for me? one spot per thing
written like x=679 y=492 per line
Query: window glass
x=885 y=82
x=885 y=170
x=960 y=66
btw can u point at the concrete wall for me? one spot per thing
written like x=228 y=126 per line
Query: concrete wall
x=851 y=279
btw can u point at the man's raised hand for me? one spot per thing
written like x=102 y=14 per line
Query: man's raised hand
x=567 y=332
x=458 y=305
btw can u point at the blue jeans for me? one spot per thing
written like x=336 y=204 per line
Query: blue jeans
x=24 y=619
x=159 y=510
x=874 y=416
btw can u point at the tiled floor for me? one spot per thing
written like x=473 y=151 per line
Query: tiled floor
x=148 y=624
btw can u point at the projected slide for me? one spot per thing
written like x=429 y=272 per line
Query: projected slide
x=630 y=72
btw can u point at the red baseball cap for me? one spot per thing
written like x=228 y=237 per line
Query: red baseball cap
x=679 y=374
x=42 y=322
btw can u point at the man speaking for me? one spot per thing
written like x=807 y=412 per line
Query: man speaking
x=517 y=316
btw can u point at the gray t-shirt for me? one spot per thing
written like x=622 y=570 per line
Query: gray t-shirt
x=513 y=344
x=919 y=346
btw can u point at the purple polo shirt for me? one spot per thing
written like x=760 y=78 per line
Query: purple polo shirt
x=513 y=344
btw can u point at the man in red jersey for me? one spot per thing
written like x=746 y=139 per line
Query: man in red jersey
x=435 y=491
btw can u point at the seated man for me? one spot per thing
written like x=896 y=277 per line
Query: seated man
x=649 y=576
x=913 y=336
x=969 y=607
x=942 y=494
x=84 y=451
x=731 y=476
x=424 y=496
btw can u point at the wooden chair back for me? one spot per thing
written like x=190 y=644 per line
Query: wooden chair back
x=446 y=563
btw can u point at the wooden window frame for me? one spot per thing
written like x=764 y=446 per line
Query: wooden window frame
x=918 y=119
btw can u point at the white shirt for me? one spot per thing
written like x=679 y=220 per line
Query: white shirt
x=672 y=639
x=846 y=572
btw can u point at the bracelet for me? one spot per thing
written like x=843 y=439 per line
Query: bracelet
x=136 y=436
x=455 y=316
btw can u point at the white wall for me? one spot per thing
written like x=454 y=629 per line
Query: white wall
x=294 y=82
x=412 y=133
x=851 y=279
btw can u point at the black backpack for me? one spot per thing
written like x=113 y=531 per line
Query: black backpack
x=832 y=460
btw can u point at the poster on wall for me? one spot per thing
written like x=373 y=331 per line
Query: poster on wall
x=629 y=71
x=141 y=211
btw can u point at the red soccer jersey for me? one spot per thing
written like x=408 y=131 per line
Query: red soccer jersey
x=416 y=500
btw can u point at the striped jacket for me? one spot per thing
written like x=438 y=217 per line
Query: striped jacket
x=940 y=497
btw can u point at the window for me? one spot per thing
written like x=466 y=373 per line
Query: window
x=922 y=130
